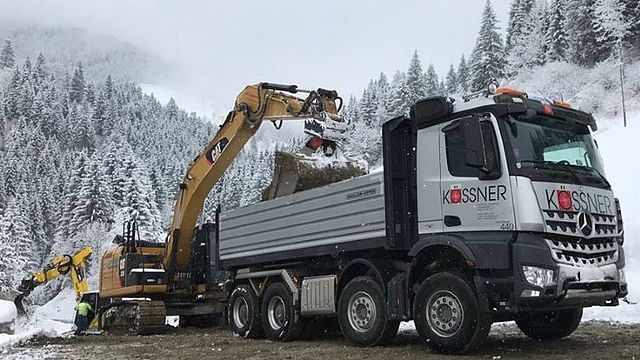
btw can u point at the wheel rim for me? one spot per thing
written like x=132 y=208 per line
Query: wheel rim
x=444 y=313
x=240 y=312
x=276 y=313
x=362 y=311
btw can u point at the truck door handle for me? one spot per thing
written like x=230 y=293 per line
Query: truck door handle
x=450 y=220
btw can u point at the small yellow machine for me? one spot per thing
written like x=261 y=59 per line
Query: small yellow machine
x=74 y=265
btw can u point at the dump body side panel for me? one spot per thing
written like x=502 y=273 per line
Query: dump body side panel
x=326 y=220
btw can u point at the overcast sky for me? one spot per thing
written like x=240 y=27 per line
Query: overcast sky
x=221 y=46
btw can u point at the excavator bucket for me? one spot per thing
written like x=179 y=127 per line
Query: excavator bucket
x=19 y=306
x=297 y=172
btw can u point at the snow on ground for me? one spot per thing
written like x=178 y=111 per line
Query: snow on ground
x=618 y=146
x=55 y=318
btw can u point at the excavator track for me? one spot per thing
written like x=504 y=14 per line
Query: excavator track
x=151 y=318
x=135 y=317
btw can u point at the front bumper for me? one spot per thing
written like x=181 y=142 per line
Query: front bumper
x=574 y=286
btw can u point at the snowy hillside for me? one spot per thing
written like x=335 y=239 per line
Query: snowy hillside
x=102 y=55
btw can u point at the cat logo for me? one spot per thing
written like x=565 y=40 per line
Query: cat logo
x=217 y=149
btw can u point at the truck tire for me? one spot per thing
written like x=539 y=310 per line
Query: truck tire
x=244 y=313
x=447 y=315
x=362 y=313
x=279 y=316
x=550 y=325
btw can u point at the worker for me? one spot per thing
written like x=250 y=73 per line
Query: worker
x=82 y=316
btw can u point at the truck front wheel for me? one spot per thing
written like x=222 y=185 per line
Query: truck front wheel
x=362 y=313
x=278 y=315
x=244 y=313
x=550 y=325
x=447 y=315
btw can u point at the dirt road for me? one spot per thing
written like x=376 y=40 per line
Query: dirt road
x=590 y=341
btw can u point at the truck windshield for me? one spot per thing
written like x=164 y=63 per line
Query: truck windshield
x=553 y=149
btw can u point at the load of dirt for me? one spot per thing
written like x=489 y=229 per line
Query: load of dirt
x=296 y=172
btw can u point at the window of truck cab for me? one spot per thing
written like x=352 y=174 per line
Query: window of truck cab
x=550 y=149
x=454 y=143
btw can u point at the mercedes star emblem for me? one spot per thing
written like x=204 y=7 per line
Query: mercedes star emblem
x=585 y=223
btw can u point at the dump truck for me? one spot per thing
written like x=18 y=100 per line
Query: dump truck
x=487 y=210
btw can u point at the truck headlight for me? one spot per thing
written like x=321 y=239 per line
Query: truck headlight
x=537 y=276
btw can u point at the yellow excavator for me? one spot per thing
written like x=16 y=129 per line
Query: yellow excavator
x=74 y=265
x=145 y=280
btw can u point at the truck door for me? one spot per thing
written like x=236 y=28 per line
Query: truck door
x=474 y=198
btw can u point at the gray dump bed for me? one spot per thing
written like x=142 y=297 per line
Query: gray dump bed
x=315 y=222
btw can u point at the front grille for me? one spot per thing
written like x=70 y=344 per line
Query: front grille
x=566 y=223
x=578 y=251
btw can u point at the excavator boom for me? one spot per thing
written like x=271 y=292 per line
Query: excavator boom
x=255 y=104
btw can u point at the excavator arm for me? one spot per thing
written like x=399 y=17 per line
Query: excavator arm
x=61 y=265
x=255 y=104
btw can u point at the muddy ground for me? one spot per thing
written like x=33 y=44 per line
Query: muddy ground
x=590 y=341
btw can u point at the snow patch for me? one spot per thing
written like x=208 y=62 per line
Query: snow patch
x=53 y=319
x=8 y=311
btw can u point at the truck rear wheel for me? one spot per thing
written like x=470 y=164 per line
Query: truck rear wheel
x=550 y=325
x=362 y=313
x=447 y=315
x=244 y=313
x=278 y=314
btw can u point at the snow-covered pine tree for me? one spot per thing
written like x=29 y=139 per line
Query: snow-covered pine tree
x=517 y=21
x=18 y=251
x=368 y=103
x=397 y=91
x=139 y=204
x=451 y=81
x=77 y=84
x=71 y=195
x=487 y=59
x=94 y=203
x=556 y=37
x=611 y=26
x=90 y=94
x=463 y=76
x=40 y=71
x=351 y=110
x=382 y=94
x=415 y=88
x=7 y=56
x=84 y=133
x=431 y=81
x=529 y=49
x=583 y=43
x=631 y=12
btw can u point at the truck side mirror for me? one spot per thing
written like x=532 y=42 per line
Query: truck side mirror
x=480 y=151
x=474 y=153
